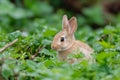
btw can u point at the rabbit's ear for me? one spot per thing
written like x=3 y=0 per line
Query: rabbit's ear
x=65 y=24
x=73 y=25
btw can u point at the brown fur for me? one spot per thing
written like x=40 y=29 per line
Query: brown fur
x=62 y=55
x=70 y=45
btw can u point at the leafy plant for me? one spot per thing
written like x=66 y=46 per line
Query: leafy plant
x=31 y=57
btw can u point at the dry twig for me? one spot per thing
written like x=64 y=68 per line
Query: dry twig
x=35 y=54
x=8 y=45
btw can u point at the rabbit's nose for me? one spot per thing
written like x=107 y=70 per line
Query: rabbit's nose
x=53 y=46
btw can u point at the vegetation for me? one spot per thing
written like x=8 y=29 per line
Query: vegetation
x=35 y=22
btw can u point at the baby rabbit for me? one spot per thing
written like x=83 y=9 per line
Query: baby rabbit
x=65 y=43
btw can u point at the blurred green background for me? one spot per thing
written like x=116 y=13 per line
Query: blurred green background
x=22 y=14
x=35 y=22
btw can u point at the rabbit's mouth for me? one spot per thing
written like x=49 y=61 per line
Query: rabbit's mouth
x=55 y=47
x=58 y=48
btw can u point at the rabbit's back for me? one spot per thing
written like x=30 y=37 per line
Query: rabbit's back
x=84 y=46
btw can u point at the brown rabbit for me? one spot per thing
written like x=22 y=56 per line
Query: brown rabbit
x=64 y=42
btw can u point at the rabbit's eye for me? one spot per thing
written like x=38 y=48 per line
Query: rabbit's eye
x=62 y=39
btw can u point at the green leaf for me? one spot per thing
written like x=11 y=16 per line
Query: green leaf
x=109 y=29
x=46 y=42
x=49 y=63
x=6 y=71
x=49 y=32
x=106 y=44
x=31 y=64
x=14 y=35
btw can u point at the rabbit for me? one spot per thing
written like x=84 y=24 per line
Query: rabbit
x=65 y=43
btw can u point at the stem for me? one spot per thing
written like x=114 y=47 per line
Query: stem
x=8 y=45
